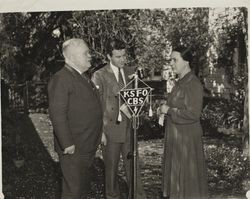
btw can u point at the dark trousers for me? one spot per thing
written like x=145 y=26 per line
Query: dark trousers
x=76 y=178
x=111 y=155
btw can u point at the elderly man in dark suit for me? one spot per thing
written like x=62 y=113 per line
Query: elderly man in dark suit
x=76 y=114
x=117 y=127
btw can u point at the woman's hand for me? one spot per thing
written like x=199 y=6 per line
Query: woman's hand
x=104 y=139
x=164 y=109
x=158 y=111
x=69 y=150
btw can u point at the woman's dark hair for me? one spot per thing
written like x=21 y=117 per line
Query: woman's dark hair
x=185 y=52
x=115 y=44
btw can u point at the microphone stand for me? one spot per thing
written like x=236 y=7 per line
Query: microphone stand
x=134 y=152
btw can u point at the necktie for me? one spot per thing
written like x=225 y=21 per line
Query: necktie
x=120 y=79
x=121 y=86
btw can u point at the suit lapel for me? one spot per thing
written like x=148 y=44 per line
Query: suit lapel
x=126 y=73
x=112 y=79
x=111 y=73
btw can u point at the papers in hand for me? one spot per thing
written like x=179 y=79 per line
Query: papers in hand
x=161 y=120
x=125 y=110
x=161 y=115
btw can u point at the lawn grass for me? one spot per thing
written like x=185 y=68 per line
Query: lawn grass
x=40 y=175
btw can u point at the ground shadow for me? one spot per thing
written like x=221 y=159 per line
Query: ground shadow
x=39 y=176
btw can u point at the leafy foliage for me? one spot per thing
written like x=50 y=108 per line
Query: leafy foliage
x=31 y=46
x=229 y=31
x=98 y=27
x=226 y=167
x=221 y=115
x=32 y=41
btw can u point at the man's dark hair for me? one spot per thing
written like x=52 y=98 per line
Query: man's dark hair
x=185 y=52
x=115 y=44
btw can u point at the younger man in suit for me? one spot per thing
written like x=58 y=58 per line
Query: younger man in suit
x=117 y=127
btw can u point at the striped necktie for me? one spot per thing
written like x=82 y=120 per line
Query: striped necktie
x=120 y=79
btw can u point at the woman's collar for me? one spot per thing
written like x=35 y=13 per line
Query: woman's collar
x=186 y=77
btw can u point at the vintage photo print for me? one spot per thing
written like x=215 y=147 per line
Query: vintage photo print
x=124 y=99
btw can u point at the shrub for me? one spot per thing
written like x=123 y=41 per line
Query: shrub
x=148 y=126
x=221 y=115
x=227 y=167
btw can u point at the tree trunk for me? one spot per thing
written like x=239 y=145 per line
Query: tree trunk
x=246 y=137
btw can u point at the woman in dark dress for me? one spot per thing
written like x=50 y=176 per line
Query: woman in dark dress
x=184 y=171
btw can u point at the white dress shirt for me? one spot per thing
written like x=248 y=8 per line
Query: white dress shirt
x=116 y=71
x=77 y=70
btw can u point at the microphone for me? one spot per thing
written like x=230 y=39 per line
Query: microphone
x=140 y=72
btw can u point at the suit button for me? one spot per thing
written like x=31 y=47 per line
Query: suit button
x=110 y=120
x=112 y=108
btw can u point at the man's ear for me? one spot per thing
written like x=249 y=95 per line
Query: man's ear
x=67 y=55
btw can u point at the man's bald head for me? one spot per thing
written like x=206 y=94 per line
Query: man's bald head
x=76 y=54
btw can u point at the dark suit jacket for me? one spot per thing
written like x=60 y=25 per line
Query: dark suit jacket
x=108 y=89
x=75 y=111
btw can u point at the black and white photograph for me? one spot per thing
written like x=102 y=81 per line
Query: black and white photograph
x=125 y=102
